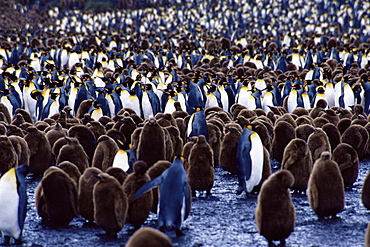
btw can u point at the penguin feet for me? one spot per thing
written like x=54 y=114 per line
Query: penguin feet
x=271 y=243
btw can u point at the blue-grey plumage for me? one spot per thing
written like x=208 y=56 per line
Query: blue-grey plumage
x=174 y=197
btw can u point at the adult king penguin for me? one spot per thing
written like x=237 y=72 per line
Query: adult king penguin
x=249 y=162
x=174 y=196
x=13 y=203
x=197 y=124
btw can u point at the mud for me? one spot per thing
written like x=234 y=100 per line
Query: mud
x=222 y=219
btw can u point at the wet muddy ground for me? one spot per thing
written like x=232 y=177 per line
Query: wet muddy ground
x=223 y=219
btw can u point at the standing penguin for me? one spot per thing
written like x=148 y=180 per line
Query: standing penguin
x=201 y=167
x=250 y=158
x=40 y=150
x=174 y=196
x=297 y=159
x=356 y=136
x=284 y=132
x=110 y=204
x=74 y=153
x=275 y=211
x=8 y=156
x=229 y=147
x=138 y=210
x=346 y=157
x=85 y=193
x=318 y=142
x=326 y=187
x=104 y=153
x=151 y=146
x=197 y=124
x=56 y=197
x=13 y=203
x=124 y=159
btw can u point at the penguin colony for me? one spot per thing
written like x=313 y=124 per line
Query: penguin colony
x=78 y=90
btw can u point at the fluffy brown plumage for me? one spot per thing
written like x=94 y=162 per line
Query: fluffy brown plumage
x=275 y=212
x=40 y=150
x=8 y=155
x=201 y=166
x=356 y=136
x=110 y=204
x=283 y=133
x=151 y=146
x=104 y=153
x=326 y=187
x=56 y=197
x=149 y=237
x=74 y=153
x=138 y=209
x=229 y=147
x=21 y=148
x=318 y=142
x=85 y=193
x=86 y=138
x=297 y=159
x=347 y=159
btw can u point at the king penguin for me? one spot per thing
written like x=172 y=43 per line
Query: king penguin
x=13 y=203
x=197 y=124
x=249 y=163
x=174 y=196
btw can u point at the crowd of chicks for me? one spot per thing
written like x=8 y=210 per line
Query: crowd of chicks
x=101 y=104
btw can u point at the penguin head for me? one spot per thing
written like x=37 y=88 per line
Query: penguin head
x=103 y=177
x=140 y=167
x=284 y=178
x=325 y=156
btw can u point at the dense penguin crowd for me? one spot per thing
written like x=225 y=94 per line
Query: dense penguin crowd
x=107 y=106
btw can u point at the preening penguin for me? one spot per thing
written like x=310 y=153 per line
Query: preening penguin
x=104 y=153
x=297 y=159
x=13 y=203
x=74 y=153
x=201 y=167
x=318 y=142
x=175 y=200
x=138 y=210
x=229 y=148
x=347 y=159
x=56 y=197
x=249 y=161
x=356 y=136
x=110 y=204
x=326 y=188
x=275 y=212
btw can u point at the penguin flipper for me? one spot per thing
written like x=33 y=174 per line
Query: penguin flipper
x=149 y=185
x=186 y=191
x=21 y=172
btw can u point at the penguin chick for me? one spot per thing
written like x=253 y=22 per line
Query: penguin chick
x=347 y=159
x=110 y=204
x=229 y=147
x=8 y=156
x=149 y=237
x=74 y=153
x=297 y=159
x=356 y=136
x=40 y=150
x=118 y=173
x=275 y=212
x=201 y=166
x=13 y=203
x=85 y=193
x=104 y=153
x=71 y=169
x=56 y=197
x=283 y=133
x=326 y=187
x=318 y=142
x=151 y=146
x=21 y=148
x=139 y=209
